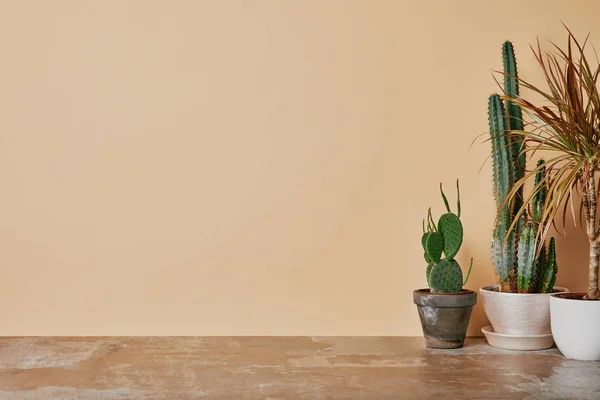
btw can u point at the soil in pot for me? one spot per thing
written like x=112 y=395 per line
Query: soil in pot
x=495 y=289
x=573 y=296
x=444 y=316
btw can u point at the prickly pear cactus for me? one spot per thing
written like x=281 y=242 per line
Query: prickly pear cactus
x=451 y=230
x=444 y=275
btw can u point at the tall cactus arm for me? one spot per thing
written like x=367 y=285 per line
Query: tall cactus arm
x=514 y=117
x=502 y=155
x=526 y=259
x=503 y=252
x=539 y=265
x=535 y=286
x=550 y=269
x=511 y=85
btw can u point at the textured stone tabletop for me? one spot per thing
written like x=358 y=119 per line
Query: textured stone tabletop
x=283 y=367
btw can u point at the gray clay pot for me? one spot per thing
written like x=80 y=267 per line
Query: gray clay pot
x=444 y=316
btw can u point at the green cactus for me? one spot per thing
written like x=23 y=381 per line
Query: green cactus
x=514 y=112
x=451 y=230
x=444 y=275
x=526 y=259
x=434 y=245
x=521 y=262
x=548 y=277
x=538 y=268
x=428 y=272
x=503 y=253
x=427 y=259
x=514 y=116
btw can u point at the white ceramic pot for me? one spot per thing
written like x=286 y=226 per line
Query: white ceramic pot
x=576 y=326
x=517 y=313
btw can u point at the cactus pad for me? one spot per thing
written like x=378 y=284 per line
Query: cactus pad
x=423 y=243
x=424 y=239
x=428 y=271
x=434 y=246
x=451 y=229
x=427 y=259
x=445 y=277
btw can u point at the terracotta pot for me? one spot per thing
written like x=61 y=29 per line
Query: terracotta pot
x=444 y=316
x=576 y=326
x=520 y=314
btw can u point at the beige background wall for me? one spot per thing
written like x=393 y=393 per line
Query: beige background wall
x=246 y=167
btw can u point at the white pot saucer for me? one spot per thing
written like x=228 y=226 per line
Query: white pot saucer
x=517 y=342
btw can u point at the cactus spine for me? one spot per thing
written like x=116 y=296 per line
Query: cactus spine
x=521 y=262
x=441 y=243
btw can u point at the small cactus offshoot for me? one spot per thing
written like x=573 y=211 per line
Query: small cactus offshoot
x=441 y=243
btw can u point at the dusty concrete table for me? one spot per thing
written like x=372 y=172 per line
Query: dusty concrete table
x=283 y=367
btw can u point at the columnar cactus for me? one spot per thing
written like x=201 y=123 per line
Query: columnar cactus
x=503 y=251
x=441 y=243
x=521 y=262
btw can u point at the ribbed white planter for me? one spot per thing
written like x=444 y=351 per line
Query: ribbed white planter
x=520 y=315
x=576 y=327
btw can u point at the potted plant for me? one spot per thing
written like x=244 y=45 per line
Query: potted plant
x=567 y=127
x=445 y=308
x=518 y=305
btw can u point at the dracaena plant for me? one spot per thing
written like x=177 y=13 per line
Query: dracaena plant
x=565 y=126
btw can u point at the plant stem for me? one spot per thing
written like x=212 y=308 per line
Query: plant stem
x=593 y=293
x=592 y=214
x=589 y=204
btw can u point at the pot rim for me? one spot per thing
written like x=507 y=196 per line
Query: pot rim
x=427 y=291
x=488 y=289
x=424 y=298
